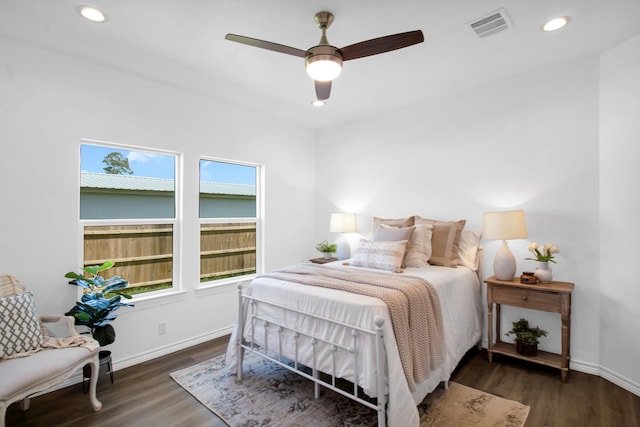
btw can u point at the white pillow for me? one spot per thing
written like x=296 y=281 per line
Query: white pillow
x=19 y=327
x=468 y=249
x=383 y=255
x=419 y=246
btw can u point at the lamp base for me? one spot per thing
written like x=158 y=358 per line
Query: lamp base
x=504 y=264
x=344 y=248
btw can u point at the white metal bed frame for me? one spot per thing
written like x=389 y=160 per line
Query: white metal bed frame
x=381 y=359
x=263 y=351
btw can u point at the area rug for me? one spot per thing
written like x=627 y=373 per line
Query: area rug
x=270 y=395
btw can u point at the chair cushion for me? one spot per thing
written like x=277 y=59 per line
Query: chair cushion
x=19 y=328
x=44 y=368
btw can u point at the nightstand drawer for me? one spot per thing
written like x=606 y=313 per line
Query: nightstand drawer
x=522 y=297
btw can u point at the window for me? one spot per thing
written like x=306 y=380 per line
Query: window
x=228 y=219
x=128 y=213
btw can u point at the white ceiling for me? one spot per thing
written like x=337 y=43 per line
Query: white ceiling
x=181 y=43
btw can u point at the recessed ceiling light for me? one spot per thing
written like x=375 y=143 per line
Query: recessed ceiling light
x=556 y=23
x=317 y=103
x=91 y=13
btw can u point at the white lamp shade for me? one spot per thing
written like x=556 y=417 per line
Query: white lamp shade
x=343 y=223
x=504 y=225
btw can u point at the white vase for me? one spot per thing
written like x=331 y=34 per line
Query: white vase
x=326 y=255
x=543 y=272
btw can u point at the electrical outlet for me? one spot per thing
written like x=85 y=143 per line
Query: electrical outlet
x=162 y=328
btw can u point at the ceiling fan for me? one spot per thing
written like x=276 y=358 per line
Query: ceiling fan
x=324 y=61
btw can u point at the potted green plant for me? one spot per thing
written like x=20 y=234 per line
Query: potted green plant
x=100 y=299
x=526 y=337
x=327 y=249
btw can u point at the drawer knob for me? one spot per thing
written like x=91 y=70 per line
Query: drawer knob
x=524 y=298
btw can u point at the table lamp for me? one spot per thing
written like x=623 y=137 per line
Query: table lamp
x=505 y=225
x=343 y=223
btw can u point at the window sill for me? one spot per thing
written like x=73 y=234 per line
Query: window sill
x=156 y=299
x=223 y=286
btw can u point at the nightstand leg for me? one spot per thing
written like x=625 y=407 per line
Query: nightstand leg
x=566 y=335
x=498 y=324
x=566 y=339
x=490 y=331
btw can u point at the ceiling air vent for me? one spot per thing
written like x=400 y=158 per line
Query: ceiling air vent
x=491 y=24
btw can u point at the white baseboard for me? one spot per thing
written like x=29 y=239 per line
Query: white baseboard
x=172 y=348
x=608 y=375
x=146 y=356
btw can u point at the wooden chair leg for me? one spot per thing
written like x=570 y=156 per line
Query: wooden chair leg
x=3 y=413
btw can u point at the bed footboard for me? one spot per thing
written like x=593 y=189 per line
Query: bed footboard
x=273 y=352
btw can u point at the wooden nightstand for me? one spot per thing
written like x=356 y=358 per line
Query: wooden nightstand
x=554 y=297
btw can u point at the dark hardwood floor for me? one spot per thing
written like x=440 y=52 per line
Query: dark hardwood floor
x=145 y=395
x=585 y=400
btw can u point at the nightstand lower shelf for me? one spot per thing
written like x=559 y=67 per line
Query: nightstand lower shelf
x=552 y=360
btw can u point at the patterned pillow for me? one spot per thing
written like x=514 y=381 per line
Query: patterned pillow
x=445 y=240
x=19 y=328
x=389 y=233
x=383 y=255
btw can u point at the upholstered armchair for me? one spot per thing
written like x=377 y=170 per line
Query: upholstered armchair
x=31 y=359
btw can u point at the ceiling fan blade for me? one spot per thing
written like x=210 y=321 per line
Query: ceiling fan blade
x=323 y=90
x=381 y=45
x=266 y=45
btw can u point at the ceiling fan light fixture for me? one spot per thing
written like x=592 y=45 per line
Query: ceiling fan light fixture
x=323 y=63
x=323 y=69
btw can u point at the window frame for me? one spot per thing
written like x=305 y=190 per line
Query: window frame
x=176 y=222
x=258 y=221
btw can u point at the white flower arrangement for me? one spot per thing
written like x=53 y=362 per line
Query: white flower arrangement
x=544 y=254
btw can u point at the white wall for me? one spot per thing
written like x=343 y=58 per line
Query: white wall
x=619 y=208
x=529 y=143
x=49 y=102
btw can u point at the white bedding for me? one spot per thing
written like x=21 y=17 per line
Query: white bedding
x=460 y=297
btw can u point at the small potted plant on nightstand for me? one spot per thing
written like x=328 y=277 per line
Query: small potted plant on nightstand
x=526 y=337
x=327 y=249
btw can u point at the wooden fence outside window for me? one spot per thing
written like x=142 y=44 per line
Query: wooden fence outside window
x=144 y=253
